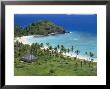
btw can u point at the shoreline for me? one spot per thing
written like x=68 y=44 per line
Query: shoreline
x=24 y=41
x=80 y=57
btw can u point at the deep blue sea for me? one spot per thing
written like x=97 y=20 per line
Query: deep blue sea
x=83 y=30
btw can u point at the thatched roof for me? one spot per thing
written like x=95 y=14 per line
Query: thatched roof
x=28 y=57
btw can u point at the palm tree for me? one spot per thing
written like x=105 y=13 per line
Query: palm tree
x=62 y=48
x=50 y=48
x=77 y=53
x=55 y=51
x=72 y=48
x=60 y=53
x=41 y=45
x=36 y=47
x=17 y=47
x=47 y=50
x=32 y=48
x=58 y=46
x=64 y=51
x=91 y=56
x=86 y=53
x=47 y=44
x=68 y=50
x=55 y=48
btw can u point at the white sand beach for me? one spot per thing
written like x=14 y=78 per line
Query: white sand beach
x=79 y=56
x=22 y=39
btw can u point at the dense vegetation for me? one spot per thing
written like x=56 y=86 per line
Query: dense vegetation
x=50 y=62
x=42 y=27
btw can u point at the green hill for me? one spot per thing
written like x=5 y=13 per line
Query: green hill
x=42 y=27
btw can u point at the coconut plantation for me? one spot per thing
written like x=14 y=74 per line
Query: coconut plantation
x=44 y=45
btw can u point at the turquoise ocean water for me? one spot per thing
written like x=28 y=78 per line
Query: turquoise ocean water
x=85 y=42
